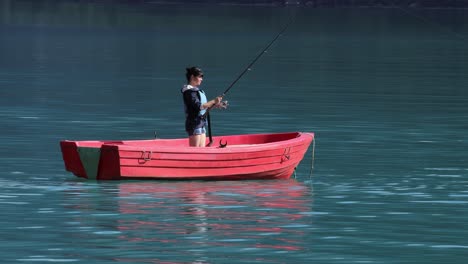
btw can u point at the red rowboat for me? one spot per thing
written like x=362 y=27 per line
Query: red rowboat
x=252 y=156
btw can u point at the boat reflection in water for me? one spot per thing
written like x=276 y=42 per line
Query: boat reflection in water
x=209 y=218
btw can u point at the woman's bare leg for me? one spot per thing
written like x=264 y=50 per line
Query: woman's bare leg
x=202 y=140
x=197 y=140
x=194 y=140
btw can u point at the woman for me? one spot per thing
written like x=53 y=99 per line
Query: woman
x=195 y=106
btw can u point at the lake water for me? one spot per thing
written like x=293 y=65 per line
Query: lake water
x=385 y=91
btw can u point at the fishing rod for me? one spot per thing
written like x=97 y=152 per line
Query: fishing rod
x=248 y=68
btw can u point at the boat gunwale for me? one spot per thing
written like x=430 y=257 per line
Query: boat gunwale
x=216 y=150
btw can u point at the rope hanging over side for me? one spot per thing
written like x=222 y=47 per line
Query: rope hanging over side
x=313 y=159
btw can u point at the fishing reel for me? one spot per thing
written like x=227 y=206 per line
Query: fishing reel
x=223 y=105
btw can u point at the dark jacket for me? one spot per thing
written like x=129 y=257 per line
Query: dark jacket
x=192 y=103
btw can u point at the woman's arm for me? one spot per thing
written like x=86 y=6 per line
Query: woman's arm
x=212 y=103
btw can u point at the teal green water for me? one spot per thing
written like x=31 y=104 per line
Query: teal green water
x=384 y=90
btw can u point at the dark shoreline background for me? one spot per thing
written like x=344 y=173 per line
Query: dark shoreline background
x=301 y=3
x=327 y=3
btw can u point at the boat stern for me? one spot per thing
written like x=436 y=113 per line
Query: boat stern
x=72 y=159
x=109 y=163
x=82 y=157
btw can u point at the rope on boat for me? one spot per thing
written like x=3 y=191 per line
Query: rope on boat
x=313 y=159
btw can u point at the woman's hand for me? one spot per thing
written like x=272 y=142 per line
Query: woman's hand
x=212 y=103
x=216 y=103
x=218 y=100
x=219 y=103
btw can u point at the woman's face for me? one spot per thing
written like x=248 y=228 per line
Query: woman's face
x=196 y=80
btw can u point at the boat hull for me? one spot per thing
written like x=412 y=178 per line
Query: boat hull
x=257 y=156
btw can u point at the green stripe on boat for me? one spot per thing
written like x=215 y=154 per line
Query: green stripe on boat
x=90 y=160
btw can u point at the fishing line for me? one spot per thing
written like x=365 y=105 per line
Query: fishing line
x=428 y=21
